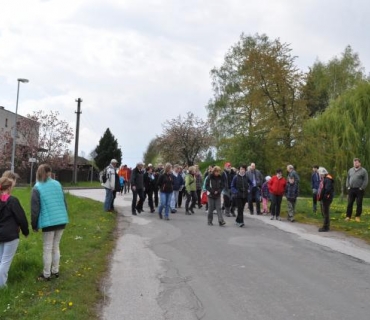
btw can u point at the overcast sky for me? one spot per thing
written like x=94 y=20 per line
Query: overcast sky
x=137 y=63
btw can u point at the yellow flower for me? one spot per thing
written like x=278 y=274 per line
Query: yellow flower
x=70 y=304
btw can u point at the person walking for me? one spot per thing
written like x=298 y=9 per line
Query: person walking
x=137 y=187
x=49 y=213
x=228 y=176
x=276 y=188
x=165 y=186
x=149 y=186
x=356 y=183
x=325 y=195
x=256 y=178
x=190 y=186
x=214 y=187
x=240 y=187
x=12 y=220
x=265 y=195
x=315 y=182
x=109 y=184
x=178 y=182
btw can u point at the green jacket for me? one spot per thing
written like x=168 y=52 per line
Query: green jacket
x=190 y=184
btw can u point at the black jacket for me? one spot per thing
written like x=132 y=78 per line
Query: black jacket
x=149 y=183
x=326 y=193
x=137 y=179
x=240 y=186
x=213 y=184
x=12 y=218
x=165 y=182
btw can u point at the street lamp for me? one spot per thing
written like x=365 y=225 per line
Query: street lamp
x=15 y=123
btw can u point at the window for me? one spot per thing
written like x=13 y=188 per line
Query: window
x=6 y=122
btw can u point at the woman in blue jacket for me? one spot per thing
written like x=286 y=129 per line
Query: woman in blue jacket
x=49 y=213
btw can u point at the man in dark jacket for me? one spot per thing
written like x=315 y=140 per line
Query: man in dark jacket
x=325 y=195
x=228 y=176
x=240 y=187
x=256 y=178
x=137 y=187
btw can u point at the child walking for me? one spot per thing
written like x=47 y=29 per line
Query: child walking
x=12 y=220
x=265 y=195
x=291 y=193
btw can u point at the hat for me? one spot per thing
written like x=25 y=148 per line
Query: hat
x=323 y=171
x=150 y=165
x=227 y=164
x=113 y=161
x=268 y=178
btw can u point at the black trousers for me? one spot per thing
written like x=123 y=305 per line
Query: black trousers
x=149 y=194
x=358 y=195
x=325 y=207
x=255 y=195
x=137 y=193
x=179 y=200
x=276 y=205
x=192 y=195
x=199 y=198
x=314 y=202
x=156 y=197
x=240 y=203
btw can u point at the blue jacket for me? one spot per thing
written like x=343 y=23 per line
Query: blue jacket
x=178 y=181
x=48 y=207
x=315 y=181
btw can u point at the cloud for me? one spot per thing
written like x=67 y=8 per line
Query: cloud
x=138 y=63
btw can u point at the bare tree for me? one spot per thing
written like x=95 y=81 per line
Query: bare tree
x=184 y=140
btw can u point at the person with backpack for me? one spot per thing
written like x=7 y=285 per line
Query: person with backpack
x=108 y=181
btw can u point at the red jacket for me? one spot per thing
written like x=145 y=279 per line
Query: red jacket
x=277 y=186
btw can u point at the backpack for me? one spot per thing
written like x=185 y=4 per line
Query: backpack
x=103 y=176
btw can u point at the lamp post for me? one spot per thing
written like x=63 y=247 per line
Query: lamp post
x=15 y=124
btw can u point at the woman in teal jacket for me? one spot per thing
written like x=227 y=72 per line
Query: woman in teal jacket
x=49 y=213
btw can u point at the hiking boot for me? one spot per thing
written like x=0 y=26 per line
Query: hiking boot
x=323 y=229
x=347 y=219
x=357 y=219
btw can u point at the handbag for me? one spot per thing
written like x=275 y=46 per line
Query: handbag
x=204 y=198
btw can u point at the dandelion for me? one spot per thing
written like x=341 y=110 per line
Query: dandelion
x=57 y=290
x=70 y=304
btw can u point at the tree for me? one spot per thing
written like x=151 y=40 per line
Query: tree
x=257 y=105
x=341 y=132
x=152 y=154
x=45 y=132
x=184 y=140
x=106 y=150
x=326 y=82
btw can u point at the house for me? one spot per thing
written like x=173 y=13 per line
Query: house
x=27 y=137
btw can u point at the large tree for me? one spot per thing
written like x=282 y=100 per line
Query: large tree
x=106 y=150
x=152 y=154
x=327 y=81
x=342 y=132
x=184 y=140
x=257 y=107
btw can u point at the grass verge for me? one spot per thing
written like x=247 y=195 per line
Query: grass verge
x=86 y=245
x=304 y=214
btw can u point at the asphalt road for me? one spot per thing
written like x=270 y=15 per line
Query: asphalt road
x=185 y=269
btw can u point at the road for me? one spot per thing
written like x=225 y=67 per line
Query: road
x=185 y=269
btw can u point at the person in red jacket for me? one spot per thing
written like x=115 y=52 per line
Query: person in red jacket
x=276 y=188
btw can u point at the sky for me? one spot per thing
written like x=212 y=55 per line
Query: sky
x=136 y=64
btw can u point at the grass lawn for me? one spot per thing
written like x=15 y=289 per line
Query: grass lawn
x=83 y=184
x=86 y=245
x=361 y=229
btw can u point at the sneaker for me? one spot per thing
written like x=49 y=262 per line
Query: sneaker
x=166 y=218
x=210 y=223
x=272 y=218
x=292 y=220
x=41 y=277
x=241 y=225
x=233 y=214
x=152 y=210
x=191 y=210
x=134 y=214
x=160 y=215
x=227 y=215
x=56 y=275
x=347 y=219
x=357 y=219
x=173 y=211
x=278 y=218
x=221 y=223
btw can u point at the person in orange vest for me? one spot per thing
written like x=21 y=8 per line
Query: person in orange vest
x=122 y=173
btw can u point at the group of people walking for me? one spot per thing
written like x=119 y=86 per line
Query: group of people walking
x=48 y=213
x=228 y=191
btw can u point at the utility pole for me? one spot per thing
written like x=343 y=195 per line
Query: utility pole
x=78 y=112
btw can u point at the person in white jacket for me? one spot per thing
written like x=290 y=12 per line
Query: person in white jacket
x=109 y=184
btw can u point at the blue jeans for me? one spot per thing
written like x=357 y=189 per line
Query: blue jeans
x=7 y=252
x=165 y=202
x=108 y=199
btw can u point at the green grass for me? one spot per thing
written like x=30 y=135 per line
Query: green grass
x=86 y=245
x=360 y=230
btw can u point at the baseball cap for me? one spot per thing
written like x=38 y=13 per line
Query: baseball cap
x=113 y=161
x=227 y=164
